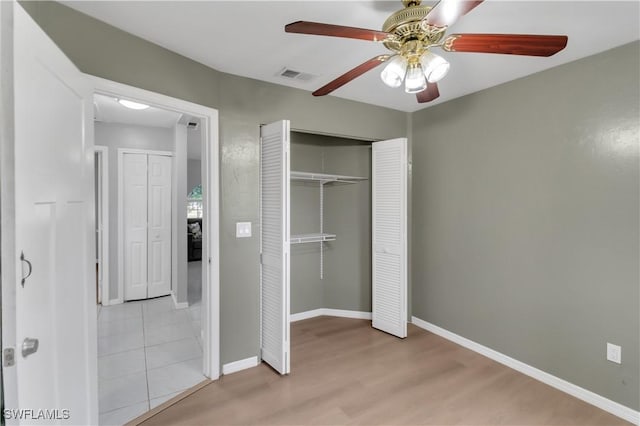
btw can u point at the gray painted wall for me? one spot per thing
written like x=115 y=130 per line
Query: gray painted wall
x=102 y=50
x=307 y=289
x=115 y=136
x=348 y=215
x=525 y=220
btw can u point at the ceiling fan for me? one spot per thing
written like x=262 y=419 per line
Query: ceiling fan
x=412 y=32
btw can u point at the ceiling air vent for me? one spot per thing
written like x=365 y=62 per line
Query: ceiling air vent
x=295 y=75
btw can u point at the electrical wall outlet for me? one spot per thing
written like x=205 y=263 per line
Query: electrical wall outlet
x=614 y=353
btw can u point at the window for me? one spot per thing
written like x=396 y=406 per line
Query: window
x=194 y=203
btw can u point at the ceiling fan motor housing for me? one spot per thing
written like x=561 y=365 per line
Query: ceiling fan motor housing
x=406 y=25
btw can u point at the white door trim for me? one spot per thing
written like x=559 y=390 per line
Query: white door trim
x=121 y=153
x=210 y=193
x=103 y=153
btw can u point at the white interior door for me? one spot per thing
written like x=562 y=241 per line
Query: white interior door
x=54 y=230
x=134 y=217
x=159 y=228
x=389 y=221
x=274 y=244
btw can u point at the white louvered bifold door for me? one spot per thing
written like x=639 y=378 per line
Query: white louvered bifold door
x=274 y=244
x=389 y=222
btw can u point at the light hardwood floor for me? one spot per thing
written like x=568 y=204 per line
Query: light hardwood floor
x=345 y=372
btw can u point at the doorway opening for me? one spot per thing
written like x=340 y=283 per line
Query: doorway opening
x=151 y=349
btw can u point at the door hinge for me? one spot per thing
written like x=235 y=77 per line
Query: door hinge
x=261 y=258
x=8 y=357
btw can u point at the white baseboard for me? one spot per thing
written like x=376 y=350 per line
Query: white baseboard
x=330 y=313
x=306 y=315
x=181 y=305
x=347 y=314
x=239 y=365
x=585 y=395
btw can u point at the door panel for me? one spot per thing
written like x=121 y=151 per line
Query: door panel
x=54 y=219
x=134 y=217
x=389 y=275
x=159 y=232
x=274 y=242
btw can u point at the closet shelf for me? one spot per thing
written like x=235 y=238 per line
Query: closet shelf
x=320 y=179
x=311 y=238
x=324 y=178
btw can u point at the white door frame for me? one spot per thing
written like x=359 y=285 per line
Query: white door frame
x=103 y=256
x=210 y=198
x=121 y=153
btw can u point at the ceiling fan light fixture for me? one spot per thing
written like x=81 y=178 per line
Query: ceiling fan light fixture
x=415 y=81
x=393 y=74
x=435 y=67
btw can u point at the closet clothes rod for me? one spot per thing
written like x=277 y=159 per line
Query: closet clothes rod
x=311 y=238
x=324 y=178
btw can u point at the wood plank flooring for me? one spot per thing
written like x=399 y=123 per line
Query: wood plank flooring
x=345 y=372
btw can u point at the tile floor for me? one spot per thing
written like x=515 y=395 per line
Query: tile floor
x=148 y=352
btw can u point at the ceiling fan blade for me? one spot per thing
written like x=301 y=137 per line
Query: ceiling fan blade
x=446 y=12
x=350 y=75
x=510 y=44
x=428 y=94
x=316 y=28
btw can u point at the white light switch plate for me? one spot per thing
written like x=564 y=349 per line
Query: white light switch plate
x=614 y=353
x=243 y=229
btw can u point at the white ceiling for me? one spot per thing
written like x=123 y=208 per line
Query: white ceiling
x=108 y=110
x=248 y=39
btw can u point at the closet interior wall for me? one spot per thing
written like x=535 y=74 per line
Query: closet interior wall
x=346 y=282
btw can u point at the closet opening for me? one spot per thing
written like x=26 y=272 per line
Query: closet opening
x=333 y=235
x=330 y=225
